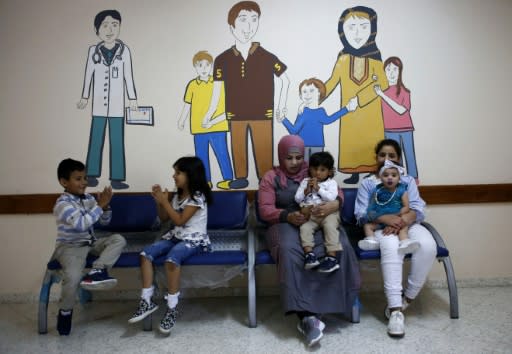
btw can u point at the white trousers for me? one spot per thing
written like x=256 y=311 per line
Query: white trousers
x=392 y=264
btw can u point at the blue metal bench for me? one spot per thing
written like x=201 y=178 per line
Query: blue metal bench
x=232 y=241
x=355 y=233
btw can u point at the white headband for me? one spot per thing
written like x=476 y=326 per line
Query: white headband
x=391 y=164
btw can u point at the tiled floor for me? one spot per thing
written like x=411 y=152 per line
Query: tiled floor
x=218 y=325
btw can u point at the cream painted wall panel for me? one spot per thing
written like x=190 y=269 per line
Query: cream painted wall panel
x=454 y=54
x=27 y=245
x=477 y=236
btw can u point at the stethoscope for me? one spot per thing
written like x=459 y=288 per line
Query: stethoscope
x=96 y=57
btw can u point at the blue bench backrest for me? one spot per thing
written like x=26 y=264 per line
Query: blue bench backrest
x=131 y=213
x=135 y=213
x=347 y=214
x=228 y=210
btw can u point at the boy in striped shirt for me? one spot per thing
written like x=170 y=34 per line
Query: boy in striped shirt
x=76 y=212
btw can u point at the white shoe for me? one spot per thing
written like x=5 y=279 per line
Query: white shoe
x=405 y=305
x=396 y=327
x=408 y=246
x=369 y=243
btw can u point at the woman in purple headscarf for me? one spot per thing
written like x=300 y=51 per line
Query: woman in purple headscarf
x=306 y=293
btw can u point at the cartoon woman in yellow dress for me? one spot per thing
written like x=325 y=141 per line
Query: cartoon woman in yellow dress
x=357 y=70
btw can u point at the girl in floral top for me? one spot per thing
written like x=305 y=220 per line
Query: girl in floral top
x=187 y=210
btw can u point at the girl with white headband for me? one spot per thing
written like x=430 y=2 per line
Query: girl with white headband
x=390 y=197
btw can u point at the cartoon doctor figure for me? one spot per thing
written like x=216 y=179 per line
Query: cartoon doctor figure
x=109 y=72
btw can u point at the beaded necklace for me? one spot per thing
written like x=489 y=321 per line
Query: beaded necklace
x=387 y=201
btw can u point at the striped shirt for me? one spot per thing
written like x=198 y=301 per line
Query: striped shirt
x=76 y=217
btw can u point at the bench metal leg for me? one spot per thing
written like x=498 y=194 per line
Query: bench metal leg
x=85 y=296
x=44 y=297
x=452 y=287
x=148 y=323
x=251 y=281
x=448 y=268
x=356 y=315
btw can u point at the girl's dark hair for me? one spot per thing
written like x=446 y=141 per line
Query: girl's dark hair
x=389 y=142
x=322 y=158
x=193 y=167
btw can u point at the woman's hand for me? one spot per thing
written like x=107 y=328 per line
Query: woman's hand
x=393 y=224
x=326 y=208
x=390 y=230
x=296 y=218
x=409 y=218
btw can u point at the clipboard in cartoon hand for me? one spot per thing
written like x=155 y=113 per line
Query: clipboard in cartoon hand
x=142 y=116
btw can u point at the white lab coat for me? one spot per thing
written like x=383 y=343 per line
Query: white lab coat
x=108 y=81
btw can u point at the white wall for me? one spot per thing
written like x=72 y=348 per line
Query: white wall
x=456 y=56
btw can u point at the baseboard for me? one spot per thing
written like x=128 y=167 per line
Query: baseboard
x=473 y=283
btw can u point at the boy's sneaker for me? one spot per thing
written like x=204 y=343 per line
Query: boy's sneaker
x=168 y=320
x=310 y=261
x=98 y=279
x=369 y=243
x=64 y=322
x=396 y=324
x=408 y=246
x=328 y=264
x=312 y=329
x=143 y=311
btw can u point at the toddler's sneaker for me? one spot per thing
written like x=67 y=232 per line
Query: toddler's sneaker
x=310 y=261
x=369 y=243
x=396 y=327
x=98 y=279
x=143 y=311
x=408 y=246
x=64 y=322
x=328 y=264
x=312 y=329
x=169 y=320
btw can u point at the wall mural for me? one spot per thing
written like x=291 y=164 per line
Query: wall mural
x=311 y=118
x=213 y=132
x=247 y=71
x=108 y=73
x=396 y=105
x=357 y=70
x=238 y=98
